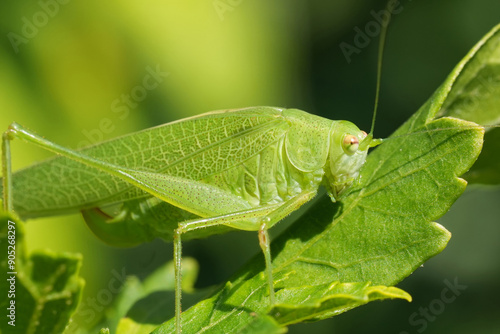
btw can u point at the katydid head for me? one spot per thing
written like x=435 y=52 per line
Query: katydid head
x=348 y=149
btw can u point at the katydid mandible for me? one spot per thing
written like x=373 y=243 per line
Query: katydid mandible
x=244 y=169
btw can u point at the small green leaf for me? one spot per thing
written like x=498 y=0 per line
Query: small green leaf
x=312 y=303
x=47 y=286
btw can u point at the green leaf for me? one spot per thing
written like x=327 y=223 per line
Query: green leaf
x=475 y=96
x=322 y=301
x=380 y=232
x=47 y=286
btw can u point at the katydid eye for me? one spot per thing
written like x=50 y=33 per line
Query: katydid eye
x=350 y=144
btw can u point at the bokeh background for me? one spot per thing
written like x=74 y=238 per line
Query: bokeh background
x=67 y=67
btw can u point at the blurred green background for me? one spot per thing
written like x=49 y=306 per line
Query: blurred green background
x=67 y=67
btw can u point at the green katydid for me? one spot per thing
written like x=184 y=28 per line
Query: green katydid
x=245 y=169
